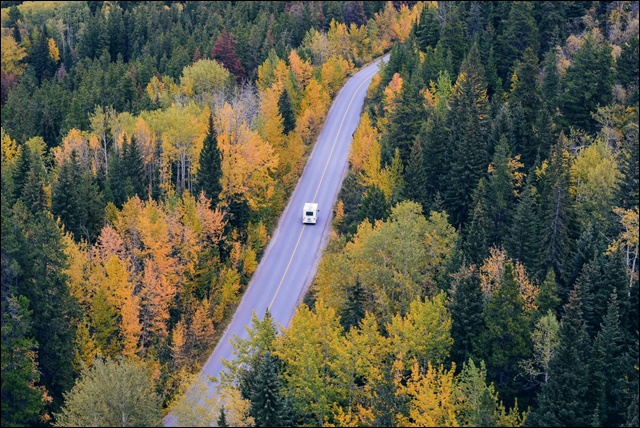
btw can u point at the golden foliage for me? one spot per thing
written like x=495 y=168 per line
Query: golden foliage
x=12 y=54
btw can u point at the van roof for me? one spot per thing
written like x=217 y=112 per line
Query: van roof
x=310 y=206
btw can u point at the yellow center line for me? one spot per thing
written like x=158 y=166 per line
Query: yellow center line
x=318 y=189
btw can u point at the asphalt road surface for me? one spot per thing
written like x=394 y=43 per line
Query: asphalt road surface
x=291 y=259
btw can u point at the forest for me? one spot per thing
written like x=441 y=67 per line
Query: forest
x=483 y=262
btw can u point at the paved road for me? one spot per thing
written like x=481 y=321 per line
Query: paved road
x=292 y=256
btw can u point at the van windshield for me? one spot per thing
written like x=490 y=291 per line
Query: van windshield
x=309 y=213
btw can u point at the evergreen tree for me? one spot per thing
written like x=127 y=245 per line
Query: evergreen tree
x=521 y=243
x=428 y=29
x=550 y=86
x=609 y=366
x=547 y=298
x=405 y=120
x=374 y=205
x=588 y=83
x=454 y=37
x=415 y=177
x=500 y=193
x=476 y=245
x=286 y=111
x=353 y=309
x=556 y=211
x=630 y=168
x=525 y=93
x=65 y=197
x=134 y=169
x=116 y=182
x=22 y=400
x=43 y=65
x=505 y=341
x=563 y=401
x=434 y=138
x=210 y=171
x=222 y=419
x=627 y=65
x=268 y=405
x=468 y=133
x=467 y=320
x=20 y=172
x=520 y=32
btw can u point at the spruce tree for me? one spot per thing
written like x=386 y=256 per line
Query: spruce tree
x=415 y=177
x=405 y=121
x=374 y=205
x=520 y=32
x=476 y=244
x=588 y=83
x=563 y=400
x=521 y=242
x=21 y=171
x=609 y=366
x=210 y=171
x=547 y=297
x=134 y=167
x=434 y=137
x=222 y=419
x=467 y=320
x=627 y=64
x=500 y=193
x=353 y=309
x=286 y=111
x=268 y=406
x=557 y=213
x=468 y=134
x=506 y=339
x=550 y=86
x=428 y=29
x=65 y=198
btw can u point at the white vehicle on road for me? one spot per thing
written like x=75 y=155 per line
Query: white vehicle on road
x=310 y=213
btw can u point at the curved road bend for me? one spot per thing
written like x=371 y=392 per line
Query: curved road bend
x=290 y=260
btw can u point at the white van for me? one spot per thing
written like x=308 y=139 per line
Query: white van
x=310 y=213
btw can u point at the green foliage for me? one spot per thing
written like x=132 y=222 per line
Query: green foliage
x=374 y=205
x=469 y=125
x=588 y=84
x=210 y=171
x=505 y=341
x=286 y=110
x=428 y=29
x=415 y=177
x=564 y=400
x=22 y=401
x=466 y=306
x=112 y=393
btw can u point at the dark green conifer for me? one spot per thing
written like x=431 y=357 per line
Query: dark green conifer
x=210 y=171
x=286 y=111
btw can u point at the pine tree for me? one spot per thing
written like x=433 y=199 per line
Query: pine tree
x=521 y=243
x=286 y=111
x=476 y=244
x=466 y=315
x=21 y=171
x=505 y=341
x=405 y=120
x=468 y=124
x=525 y=93
x=547 y=298
x=550 y=86
x=500 y=193
x=434 y=137
x=564 y=400
x=627 y=64
x=374 y=205
x=609 y=365
x=222 y=419
x=454 y=37
x=268 y=406
x=415 y=177
x=557 y=215
x=588 y=83
x=520 y=32
x=22 y=400
x=428 y=29
x=134 y=167
x=353 y=309
x=43 y=65
x=65 y=198
x=210 y=171
x=630 y=169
